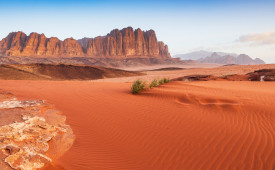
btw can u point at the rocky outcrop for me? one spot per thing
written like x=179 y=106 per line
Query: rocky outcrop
x=241 y=59
x=19 y=44
x=125 y=43
x=32 y=133
x=258 y=75
x=262 y=75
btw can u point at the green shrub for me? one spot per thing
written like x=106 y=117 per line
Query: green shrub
x=137 y=86
x=154 y=83
x=166 y=80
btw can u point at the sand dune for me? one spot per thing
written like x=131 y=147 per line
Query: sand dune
x=193 y=125
x=59 y=72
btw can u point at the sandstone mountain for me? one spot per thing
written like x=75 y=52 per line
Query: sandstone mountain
x=125 y=43
x=121 y=44
x=241 y=59
x=38 y=45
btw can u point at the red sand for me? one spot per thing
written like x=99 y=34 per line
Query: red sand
x=194 y=125
x=191 y=70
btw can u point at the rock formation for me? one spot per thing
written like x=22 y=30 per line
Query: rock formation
x=258 y=75
x=125 y=43
x=262 y=75
x=19 y=44
x=32 y=133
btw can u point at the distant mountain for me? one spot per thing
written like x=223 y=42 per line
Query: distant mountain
x=241 y=59
x=220 y=58
x=200 y=54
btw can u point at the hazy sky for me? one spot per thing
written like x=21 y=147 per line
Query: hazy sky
x=236 y=26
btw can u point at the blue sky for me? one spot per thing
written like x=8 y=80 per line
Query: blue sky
x=231 y=26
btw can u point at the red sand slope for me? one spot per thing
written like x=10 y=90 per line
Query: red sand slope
x=198 y=125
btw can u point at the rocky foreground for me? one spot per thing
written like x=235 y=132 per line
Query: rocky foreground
x=32 y=133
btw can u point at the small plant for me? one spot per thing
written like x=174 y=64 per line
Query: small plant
x=166 y=80
x=160 y=81
x=154 y=83
x=137 y=86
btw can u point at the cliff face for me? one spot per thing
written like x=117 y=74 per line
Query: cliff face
x=19 y=44
x=125 y=43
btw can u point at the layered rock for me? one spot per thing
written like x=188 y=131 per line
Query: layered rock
x=19 y=44
x=32 y=133
x=125 y=43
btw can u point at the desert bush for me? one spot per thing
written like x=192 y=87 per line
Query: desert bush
x=166 y=80
x=137 y=86
x=160 y=81
x=154 y=83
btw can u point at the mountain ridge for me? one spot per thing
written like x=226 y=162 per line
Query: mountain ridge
x=125 y=43
x=241 y=59
x=220 y=58
x=195 y=55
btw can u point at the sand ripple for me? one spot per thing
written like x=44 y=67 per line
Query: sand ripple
x=198 y=125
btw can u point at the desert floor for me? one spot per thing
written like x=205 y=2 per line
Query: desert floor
x=199 y=69
x=180 y=125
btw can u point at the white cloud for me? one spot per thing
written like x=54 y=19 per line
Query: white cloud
x=264 y=38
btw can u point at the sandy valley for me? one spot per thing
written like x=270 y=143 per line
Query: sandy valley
x=179 y=125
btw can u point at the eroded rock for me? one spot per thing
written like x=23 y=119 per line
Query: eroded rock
x=32 y=134
x=262 y=75
x=258 y=75
x=125 y=43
